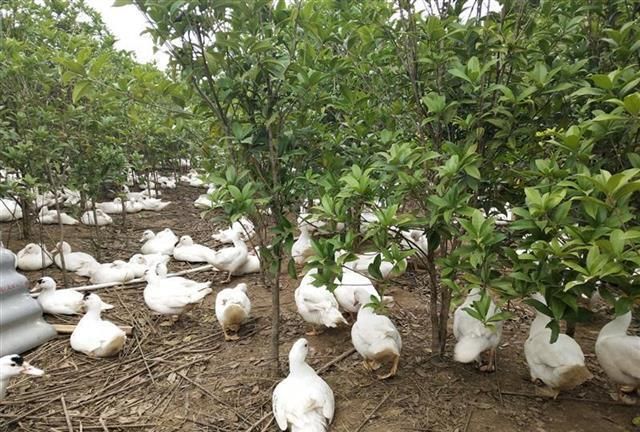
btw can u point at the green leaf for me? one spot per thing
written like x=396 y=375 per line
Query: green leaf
x=603 y=81
x=119 y=3
x=632 y=103
x=82 y=88
x=472 y=171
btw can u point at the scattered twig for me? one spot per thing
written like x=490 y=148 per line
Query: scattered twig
x=466 y=426
x=208 y=393
x=103 y=424
x=341 y=357
x=66 y=413
x=373 y=411
x=566 y=398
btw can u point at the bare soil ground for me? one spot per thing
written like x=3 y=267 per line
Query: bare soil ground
x=185 y=377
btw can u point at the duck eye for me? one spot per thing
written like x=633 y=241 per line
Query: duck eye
x=13 y=364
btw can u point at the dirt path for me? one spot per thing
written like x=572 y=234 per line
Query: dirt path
x=186 y=378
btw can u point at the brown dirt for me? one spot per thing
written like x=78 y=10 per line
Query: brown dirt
x=194 y=381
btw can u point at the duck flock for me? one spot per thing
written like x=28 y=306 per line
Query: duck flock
x=302 y=401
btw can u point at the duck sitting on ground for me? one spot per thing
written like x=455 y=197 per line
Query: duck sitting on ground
x=232 y=309
x=94 y=336
x=64 y=301
x=474 y=338
x=117 y=271
x=11 y=366
x=34 y=257
x=186 y=250
x=619 y=356
x=102 y=217
x=10 y=210
x=51 y=217
x=302 y=402
x=161 y=243
x=243 y=226
x=559 y=365
x=171 y=295
x=73 y=261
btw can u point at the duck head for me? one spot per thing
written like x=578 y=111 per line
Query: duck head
x=44 y=284
x=14 y=365
x=147 y=235
x=298 y=352
x=185 y=240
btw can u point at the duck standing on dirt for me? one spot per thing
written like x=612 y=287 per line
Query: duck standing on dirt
x=186 y=250
x=94 y=336
x=64 y=301
x=13 y=365
x=302 y=402
x=232 y=309
x=376 y=338
x=619 y=356
x=559 y=365
x=474 y=338
x=316 y=305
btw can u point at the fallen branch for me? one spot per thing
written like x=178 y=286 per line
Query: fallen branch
x=69 y=328
x=66 y=413
x=341 y=357
x=373 y=411
x=566 y=398
x=135 y=281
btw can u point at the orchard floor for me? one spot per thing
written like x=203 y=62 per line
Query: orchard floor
x=185 y=377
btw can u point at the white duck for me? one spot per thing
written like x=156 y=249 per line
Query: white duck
x=619 y=356
x=474 y=338
x=354 y=286
x=232 y=309
x=162 y=272
x=362 y=262
x=167 y=296
x=559 y=365
x=415 y=240
x=140 y=263
x=251 y=265
x=64 y=301
x=50 y=217
x=231 y=259
x=161 y=243
x=243 y=226
x=117 y=271
x=153 y=204
x=73 y=261
x=301 y=248
x=34 y=257
x=376 y=339
x=10 y=210
x=188 y=251
x=13 y=365
x=103 y=218
x=316 y=305
x=302 y=402
x=94 y=336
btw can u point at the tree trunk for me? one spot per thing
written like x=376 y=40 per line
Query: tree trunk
x=26 y=217
x=61 y=228
x=96 y=242
x=275 y=319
